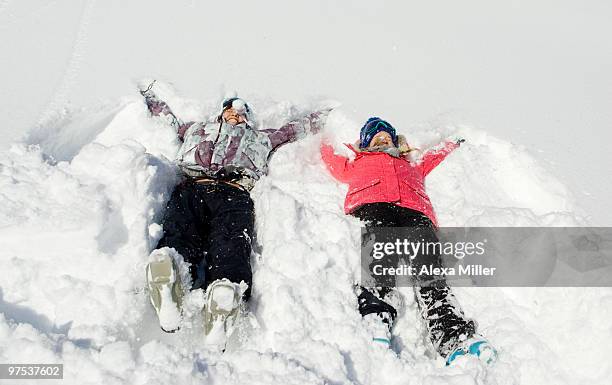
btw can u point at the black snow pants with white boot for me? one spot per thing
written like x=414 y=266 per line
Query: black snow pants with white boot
x=211 y=225
x=446 y=324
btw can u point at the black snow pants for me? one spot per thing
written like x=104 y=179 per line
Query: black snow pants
x=446 y=323
x=211 y=226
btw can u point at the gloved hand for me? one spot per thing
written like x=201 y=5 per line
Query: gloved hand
x=146 y=90
x=326 y=106
x=325 y=111
x=456 y=139
x=321 y=115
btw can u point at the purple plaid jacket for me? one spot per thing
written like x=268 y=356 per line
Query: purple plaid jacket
x=217 y=149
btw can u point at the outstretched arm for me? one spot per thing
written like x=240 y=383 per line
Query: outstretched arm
x=297 y=129
x=433 y=157
x=158 y=107
x=338 y=165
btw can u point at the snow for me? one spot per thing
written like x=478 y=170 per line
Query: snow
x=76 y=234
x=224 y=298
x=169 y=315
x=85 y=174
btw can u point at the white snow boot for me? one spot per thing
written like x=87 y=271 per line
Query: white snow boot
x=224 y=306
x=165 y=290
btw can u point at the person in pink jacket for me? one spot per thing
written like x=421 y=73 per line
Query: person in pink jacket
x=387 y=189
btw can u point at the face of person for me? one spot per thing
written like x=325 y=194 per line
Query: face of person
x=232 y=117
x=382 y=139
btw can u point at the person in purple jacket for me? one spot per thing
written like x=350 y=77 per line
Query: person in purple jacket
x=209 y=219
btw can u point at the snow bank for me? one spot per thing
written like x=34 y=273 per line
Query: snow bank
x=79 y=215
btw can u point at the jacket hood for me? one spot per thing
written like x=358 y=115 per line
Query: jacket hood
x=403 y=146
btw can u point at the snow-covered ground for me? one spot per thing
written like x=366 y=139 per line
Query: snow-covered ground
x=85 y=174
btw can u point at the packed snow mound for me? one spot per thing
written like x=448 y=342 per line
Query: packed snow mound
x=81 y=211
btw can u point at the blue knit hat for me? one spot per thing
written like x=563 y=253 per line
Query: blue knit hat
x=372 y=127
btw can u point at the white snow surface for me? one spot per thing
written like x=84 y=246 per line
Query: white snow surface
x=85 y=174
x=81 y=213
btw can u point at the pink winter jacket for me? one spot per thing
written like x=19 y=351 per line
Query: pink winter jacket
x=379 y=177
